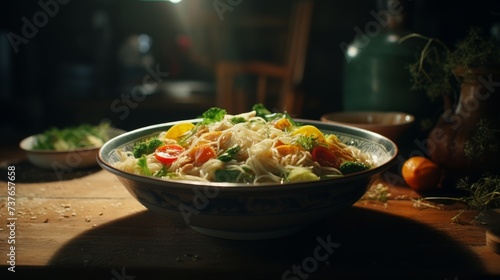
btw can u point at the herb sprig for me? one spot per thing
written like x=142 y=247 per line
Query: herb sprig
x=483 y=141
x=483 y=194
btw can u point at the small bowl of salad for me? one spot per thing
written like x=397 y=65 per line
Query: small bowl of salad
x=68 y=148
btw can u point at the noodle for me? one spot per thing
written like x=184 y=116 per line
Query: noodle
x=251 y=150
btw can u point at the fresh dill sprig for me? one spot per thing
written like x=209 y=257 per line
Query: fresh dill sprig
x=435 y=68
x=484 y=193
x=307 y=142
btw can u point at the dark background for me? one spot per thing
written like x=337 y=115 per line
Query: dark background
x=74 y=58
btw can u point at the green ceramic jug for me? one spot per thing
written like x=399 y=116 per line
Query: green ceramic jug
x=376 y=75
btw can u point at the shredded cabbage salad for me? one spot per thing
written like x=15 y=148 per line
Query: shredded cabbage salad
x=71 y=138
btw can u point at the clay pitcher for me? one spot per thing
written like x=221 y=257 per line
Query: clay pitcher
x=459 y=127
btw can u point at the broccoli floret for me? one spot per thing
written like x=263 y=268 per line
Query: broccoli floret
x=348 y=167
x=146 y=147
x=237 y=120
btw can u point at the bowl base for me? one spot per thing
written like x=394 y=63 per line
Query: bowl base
x=226 y=234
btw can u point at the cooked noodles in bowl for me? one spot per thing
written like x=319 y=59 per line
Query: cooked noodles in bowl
x=245 y=148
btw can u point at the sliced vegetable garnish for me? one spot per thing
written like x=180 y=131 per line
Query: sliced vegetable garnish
x=178 y=130
x=310 y=130
x=230 y=154
x=324 y=157
x=202 y=154
x=288 y=149
x=283 y=124
x=302 y=175
x=168 y=153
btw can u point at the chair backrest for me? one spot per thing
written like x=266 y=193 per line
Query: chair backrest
x=299 y=37
x=289 y=73
x=291 y=99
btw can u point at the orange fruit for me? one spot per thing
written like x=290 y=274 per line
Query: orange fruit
x=421 y=174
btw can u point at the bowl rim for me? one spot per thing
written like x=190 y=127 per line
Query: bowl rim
x=185 y=184
x=324 y=118
x=26 y=144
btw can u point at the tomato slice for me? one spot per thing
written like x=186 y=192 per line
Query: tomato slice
x=324 y=157
x=168 y=153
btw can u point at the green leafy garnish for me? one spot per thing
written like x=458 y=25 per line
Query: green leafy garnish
x=307 y=142
x=263 y=112
x=236 y=120
x=233 y=176
x=143 y=164
x=162 y=172
x=225 y=175
x=213 y=115
x=230 y=154
x=146 y=147
x=348 y=167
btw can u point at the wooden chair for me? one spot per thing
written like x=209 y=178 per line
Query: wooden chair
x=290 y=74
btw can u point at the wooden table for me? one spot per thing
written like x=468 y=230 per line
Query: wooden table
x=88 y=226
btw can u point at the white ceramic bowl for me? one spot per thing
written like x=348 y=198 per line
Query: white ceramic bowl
x=389 y=124
x=249 y=212
x=63 y=160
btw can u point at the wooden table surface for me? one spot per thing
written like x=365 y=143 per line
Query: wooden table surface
x=87 y=226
